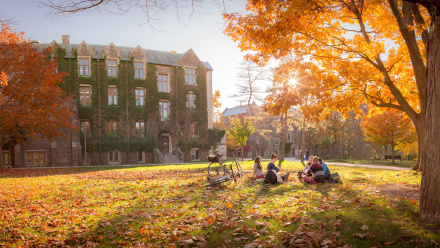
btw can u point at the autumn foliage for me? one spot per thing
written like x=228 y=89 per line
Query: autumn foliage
x=356 y=50
x=31 y=100
x=389 y=128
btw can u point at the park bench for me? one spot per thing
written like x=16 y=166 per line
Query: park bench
x=399 y=157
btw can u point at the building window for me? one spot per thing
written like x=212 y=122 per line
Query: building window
x=190 y=100
x=6 y=159
x=163 y=110
x=138 y=70
x=85 y=95
x=140 y=127
x=276 y=141
x=195 y=129
x=162 y=82
x=35 y=158
x=190 y=76
x=112 y=127
x=111 y=68
x=289 y=136
x=114 y=157
x=195 y=154
x=112 y=95
x=85 y=127
x=84 y=65
x=140 y=96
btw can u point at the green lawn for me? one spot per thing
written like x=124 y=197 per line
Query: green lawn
x=170 y=206
x=399 y=163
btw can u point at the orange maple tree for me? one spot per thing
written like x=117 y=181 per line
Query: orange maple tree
x=375 y=51
x=353 y=49
x=31 y=100
x=389 y=128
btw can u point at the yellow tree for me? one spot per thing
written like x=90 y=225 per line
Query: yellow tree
x=240 y=131
x=216 y=104
x=360 y=50
x=389 y=128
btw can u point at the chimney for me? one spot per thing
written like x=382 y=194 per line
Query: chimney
x=66 y=39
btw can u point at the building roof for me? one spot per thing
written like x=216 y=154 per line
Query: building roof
x=154 y=56
x=235 y=111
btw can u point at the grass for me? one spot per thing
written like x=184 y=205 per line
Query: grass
x=399 y=163
x=170 y=206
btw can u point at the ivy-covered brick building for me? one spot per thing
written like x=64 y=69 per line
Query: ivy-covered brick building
x=134 y=105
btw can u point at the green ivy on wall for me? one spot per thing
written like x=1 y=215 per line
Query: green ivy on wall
x=126 y=113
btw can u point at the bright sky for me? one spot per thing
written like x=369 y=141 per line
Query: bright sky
x=203 y=34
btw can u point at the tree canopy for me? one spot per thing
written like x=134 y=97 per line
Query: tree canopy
x=352 y=49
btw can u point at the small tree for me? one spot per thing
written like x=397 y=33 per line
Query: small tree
x=240 y=131
x=216 y=104
x=390 y=128
x=249 y=76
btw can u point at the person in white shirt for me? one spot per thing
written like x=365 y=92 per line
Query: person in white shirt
x=258 y=168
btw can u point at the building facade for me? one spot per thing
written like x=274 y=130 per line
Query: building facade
x=134 y=105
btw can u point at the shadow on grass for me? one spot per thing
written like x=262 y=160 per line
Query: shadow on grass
x=48 y=171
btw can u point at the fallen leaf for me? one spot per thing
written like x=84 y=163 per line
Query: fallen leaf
x=390 y=243
x=364 y=228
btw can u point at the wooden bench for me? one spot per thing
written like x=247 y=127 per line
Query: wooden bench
x=391 y=157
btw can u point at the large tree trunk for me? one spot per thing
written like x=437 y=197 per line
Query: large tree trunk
x=430 y=189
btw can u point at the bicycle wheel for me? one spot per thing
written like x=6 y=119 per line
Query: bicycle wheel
x=216 y=169
x=239 y=169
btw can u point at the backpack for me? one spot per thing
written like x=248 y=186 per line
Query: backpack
x=271 y=177
x=335 y=177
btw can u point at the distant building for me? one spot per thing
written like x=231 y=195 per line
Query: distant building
x=134 y=106
x=269 y=143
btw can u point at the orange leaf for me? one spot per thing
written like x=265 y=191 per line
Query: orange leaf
x=413 y=202
x=251 y=211
x=142 y=230
x=229 y=205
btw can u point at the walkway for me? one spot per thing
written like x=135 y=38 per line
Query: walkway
x=292 y=159
x=372 y=166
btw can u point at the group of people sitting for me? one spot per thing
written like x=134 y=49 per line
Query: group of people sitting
x=315 y=171
x=272 y=170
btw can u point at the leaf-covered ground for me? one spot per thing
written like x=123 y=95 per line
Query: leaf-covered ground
x=170 y=206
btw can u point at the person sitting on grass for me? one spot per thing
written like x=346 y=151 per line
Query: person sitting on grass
x=258 y=169
x=307 y=166
x=271 y=166
x=318 y=173
x=326 y=169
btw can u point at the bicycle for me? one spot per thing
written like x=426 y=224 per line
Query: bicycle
x=220 y=171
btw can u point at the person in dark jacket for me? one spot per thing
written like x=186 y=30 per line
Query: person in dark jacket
x=272 y=166
x=318 y=173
